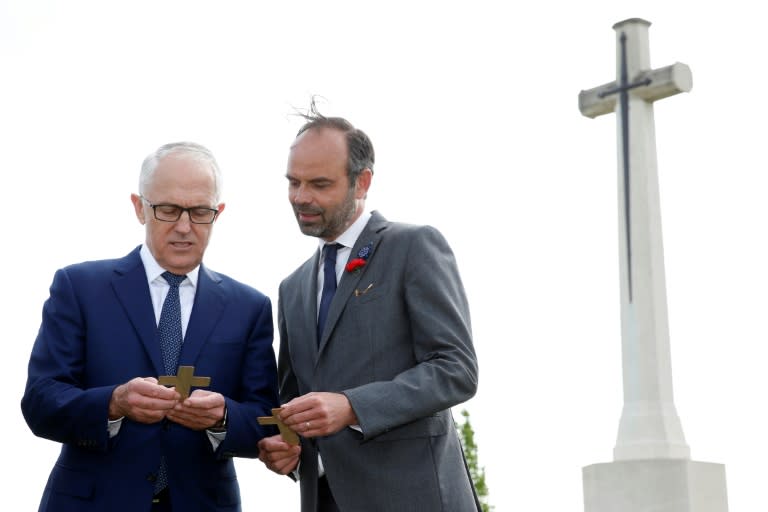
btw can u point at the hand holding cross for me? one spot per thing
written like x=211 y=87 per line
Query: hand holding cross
x=288 y=435
x=184 y=379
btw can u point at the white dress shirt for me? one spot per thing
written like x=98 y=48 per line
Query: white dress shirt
x=347 y=240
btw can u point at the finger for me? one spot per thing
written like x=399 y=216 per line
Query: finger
x=205 y=400
x=191 y=423
x=272 y=443
x=158 y=391
x=200 y=393
x=296 y=406
x=154 y=405
x=285 y=466
x=181 y=416
x=206 y=416
x=147 y=416
x=136 y=402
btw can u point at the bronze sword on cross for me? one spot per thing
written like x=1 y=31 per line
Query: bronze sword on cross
x=622 y=89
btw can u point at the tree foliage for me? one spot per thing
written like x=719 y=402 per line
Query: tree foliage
x=477 y=472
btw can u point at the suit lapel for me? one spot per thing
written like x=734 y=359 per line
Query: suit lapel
x=350 y=280
x=309 y=295
x=206 y=312
x=132 y=290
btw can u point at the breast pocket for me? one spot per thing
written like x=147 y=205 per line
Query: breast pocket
x=368 y=292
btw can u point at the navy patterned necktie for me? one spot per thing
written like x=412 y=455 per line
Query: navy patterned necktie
x=329 y=285
x=169 y=334
x=169 y=327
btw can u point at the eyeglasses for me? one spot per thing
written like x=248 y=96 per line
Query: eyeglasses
x=172 y=213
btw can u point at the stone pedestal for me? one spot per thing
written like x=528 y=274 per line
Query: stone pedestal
x=655 y=486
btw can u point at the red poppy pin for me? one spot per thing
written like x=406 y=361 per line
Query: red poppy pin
x=361 y=259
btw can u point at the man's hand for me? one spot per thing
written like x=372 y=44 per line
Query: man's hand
x=318 y=414
x=279 y=456
x=201 y=410
x=143 y=400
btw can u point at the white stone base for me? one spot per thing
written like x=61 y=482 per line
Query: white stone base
x=658 y=485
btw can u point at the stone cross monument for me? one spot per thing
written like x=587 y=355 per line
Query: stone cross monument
x=652 y=469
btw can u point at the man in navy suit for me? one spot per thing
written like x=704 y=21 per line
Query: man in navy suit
x=371 y=388
x=128 y=443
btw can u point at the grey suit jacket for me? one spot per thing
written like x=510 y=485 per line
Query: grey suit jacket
x=398 y=344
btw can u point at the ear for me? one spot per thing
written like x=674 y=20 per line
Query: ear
x=138 y=206
x=221 y=209
x=363 y=183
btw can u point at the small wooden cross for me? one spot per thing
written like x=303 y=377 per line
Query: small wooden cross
x=183 y=380
x=288 y=435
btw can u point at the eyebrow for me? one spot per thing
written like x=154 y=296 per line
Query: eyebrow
x=319 y=179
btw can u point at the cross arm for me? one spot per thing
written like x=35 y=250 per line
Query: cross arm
x=665 y=82
x=184 y=379
x=288 y=435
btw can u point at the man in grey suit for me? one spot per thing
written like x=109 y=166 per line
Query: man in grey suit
x=370 y=391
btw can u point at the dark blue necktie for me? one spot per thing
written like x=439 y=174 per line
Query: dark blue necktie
x=169 y=327
x=170 y=336
x=329 y=285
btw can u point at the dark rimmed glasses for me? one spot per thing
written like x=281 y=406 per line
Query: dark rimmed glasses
x=172 y=212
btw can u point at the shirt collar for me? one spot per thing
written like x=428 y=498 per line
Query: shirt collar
x=350 y=236
x=154 y=270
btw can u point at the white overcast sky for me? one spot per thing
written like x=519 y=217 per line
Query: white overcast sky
x=472 y=108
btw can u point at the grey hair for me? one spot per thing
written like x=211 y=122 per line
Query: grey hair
x=190 y=150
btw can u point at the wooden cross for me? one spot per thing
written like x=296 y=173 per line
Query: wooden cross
x=288 y=435
x=184 y=379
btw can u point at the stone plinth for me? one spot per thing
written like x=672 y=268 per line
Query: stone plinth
x=672 y=485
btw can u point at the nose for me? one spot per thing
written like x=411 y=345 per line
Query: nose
x=301 y=195
x=184 y=224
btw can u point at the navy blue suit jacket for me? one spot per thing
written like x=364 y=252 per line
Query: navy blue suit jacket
x=98 y=331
